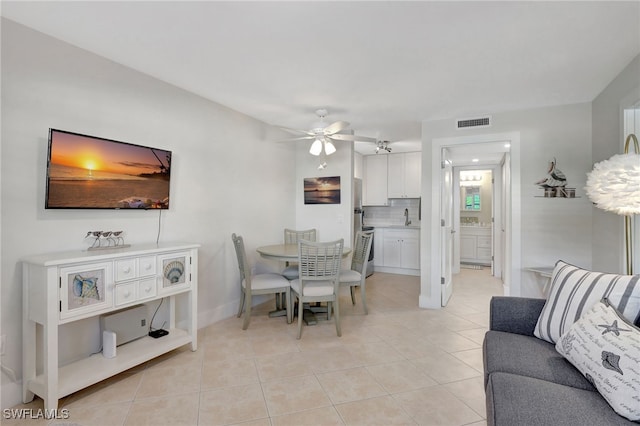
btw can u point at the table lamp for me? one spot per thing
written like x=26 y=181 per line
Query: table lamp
x=614 y=185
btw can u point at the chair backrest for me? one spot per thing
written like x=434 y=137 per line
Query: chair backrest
x=319 y=261
x=243 y=264
x=291 y=236
x=361 y=251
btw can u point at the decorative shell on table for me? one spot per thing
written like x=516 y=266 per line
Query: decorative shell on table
x=173 y=271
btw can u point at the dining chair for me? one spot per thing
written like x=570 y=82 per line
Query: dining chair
x=255 y=284
x=357 y=274
x=319 y=277
x=291 y=236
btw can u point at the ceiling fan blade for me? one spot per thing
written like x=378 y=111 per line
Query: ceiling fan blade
x=290 y=130
x=301 y=138
x=339 y=137
x=335 y=127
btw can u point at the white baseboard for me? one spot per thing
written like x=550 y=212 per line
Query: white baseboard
x=10 y=393
x=225 y=311
x=399 y=271
x=429 y=303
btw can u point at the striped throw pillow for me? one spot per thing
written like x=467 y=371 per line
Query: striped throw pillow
x=575 y=290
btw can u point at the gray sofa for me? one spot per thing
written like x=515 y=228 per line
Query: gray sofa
x=527 y=382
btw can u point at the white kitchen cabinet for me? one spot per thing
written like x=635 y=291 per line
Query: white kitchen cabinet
x=401 y=249
x=378 y=247
x=375 y=181
x=404 y=174
x=475 y=244
x=61 y=288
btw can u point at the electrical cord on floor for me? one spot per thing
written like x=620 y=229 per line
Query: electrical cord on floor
x=154 y=315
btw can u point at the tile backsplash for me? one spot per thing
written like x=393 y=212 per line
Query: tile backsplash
x=393 y=214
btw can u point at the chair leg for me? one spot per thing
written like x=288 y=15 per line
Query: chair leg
x=300 y=315
x=363 y=294
x=241 y=304
x=287 y=294
x=247 y=313
x=336 y=311
x=353 y=295
x=328 y=311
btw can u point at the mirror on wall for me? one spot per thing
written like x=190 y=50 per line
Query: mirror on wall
x=471 y=199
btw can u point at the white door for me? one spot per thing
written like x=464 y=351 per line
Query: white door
x=446 y=227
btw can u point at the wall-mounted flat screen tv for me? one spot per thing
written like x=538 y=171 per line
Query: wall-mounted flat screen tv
x=88 y=172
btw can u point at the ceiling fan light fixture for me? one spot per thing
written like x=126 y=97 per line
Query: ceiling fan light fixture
x=382 y=145
x=316 y=147
x=329 y=148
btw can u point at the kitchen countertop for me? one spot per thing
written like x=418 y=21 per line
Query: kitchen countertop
x=393 y=226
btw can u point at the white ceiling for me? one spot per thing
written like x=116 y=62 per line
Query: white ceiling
x=383 y=66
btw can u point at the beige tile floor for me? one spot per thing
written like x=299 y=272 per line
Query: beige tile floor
x=397 y=365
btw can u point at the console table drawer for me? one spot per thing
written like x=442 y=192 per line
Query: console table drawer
x=147 y=266
x=147 y=288
x=126 y=293
x=126 y=269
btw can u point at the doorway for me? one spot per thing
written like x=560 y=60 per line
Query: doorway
x=475 y=219
x=509 y=232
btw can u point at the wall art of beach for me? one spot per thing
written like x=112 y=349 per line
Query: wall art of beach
x=324 y=190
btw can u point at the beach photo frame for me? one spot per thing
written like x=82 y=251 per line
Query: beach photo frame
x=322 y=190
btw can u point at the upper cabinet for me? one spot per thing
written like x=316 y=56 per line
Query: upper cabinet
x=404 y=175
x=375 y=181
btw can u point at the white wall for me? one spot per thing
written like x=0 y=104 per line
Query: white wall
x=552 y=229
x=226 y=175
x=608 y=140
x=333 y=221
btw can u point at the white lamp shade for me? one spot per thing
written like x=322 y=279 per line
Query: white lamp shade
x=329 y=148
x=614 y=184
x=316 y=147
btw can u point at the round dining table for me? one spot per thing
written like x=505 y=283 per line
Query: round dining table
x=289 y=253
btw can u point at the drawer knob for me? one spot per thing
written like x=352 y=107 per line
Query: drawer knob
x=127 y=294
x=148 y=289
x=148 y=267
x=127 y=269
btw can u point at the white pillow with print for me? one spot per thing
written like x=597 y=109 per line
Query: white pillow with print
x=605 y=348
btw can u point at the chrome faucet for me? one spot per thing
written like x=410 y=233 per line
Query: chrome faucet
x=407 y=222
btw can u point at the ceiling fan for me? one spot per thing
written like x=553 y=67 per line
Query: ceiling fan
x=325 y=134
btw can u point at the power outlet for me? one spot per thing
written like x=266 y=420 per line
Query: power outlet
x=3 y=343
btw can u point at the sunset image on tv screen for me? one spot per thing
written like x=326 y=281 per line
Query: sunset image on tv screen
x=90 y=172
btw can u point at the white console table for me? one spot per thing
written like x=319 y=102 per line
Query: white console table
x=60 y=288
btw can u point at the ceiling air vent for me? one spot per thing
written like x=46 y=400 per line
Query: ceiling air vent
x=466 y=123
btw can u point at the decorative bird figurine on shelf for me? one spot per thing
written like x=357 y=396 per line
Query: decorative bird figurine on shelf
x=555 y=178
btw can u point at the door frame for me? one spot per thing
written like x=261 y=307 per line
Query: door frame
x=447 y=223
x=512 y=261
x=496 y=214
